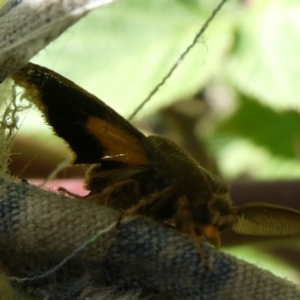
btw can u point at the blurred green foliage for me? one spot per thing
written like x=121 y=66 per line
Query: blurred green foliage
x=2 y=2
x=120 y=52
x=276 y=131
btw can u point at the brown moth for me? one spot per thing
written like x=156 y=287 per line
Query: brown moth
x=147 y=175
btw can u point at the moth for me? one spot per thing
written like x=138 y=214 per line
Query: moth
x=148 y=175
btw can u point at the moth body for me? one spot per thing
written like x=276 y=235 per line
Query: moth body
x=147 y=175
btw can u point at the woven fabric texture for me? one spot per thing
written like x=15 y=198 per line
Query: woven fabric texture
x=140 y=255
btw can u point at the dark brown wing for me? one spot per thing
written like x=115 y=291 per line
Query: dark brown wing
x=94 y=131
x=267 y=219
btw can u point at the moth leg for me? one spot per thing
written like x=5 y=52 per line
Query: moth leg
x=144 y=203
x=66 y=192
x=102 y=198
x=109 y=189
x=217 y=241
x=188 y=226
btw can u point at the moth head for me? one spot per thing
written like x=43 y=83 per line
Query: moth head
x=214 y=216
x=220 y=205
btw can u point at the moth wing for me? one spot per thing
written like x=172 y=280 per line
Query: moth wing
x=93 y=130
x=266 y=220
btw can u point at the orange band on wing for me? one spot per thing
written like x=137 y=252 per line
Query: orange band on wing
x=117 y=143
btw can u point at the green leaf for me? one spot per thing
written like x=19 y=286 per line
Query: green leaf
x=264 y=60
x=277 y=132
x=120 y=52
x=2 y=2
